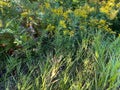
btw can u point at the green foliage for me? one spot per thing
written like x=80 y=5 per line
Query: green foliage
x=7 y=39
x=59 y=45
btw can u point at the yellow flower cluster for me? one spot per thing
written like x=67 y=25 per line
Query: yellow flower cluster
x=71 y=33
x=62 y=23
x=47 y=5
x=25 y=13
x=1 y=24
x=65 y=14
x=113 y=14
x=50 y=27
x=101 y=24
x=80 y=12
x=109 y=9
x=58 y=11
x=106 y=28
x=118 y=5
x=3 y=3
x=83 y=11
x=119 y=35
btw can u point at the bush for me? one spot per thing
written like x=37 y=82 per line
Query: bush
x=59 y=44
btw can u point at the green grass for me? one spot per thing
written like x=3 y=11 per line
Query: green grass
x=94 y=67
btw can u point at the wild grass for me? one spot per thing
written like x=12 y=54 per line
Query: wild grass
x=93 y=67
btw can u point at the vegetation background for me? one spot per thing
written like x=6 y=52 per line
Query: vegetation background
x=59 y=44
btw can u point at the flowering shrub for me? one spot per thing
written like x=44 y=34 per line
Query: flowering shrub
x=60 y=44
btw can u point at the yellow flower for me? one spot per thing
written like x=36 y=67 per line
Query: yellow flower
x=62 y=23
x=106 y=28
x=58 y=11
x=50 y=27
x=71 y=33
x=66 y=32
x=119 y=35
x=113 y=32
x=1 y=24
x=108 y=9
x=86 y=7
x=92 y=9
x=102 y=22
x=30 y=18
x=84 y=11
x=104 y=9
x=3 y=3
x=47 y=5
x=110 y=4
x=118 y=5
x=81 y=13
x=86 y=62
x=113 y=14
x=65 y=14
x=97 y=54
x=24 y=14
